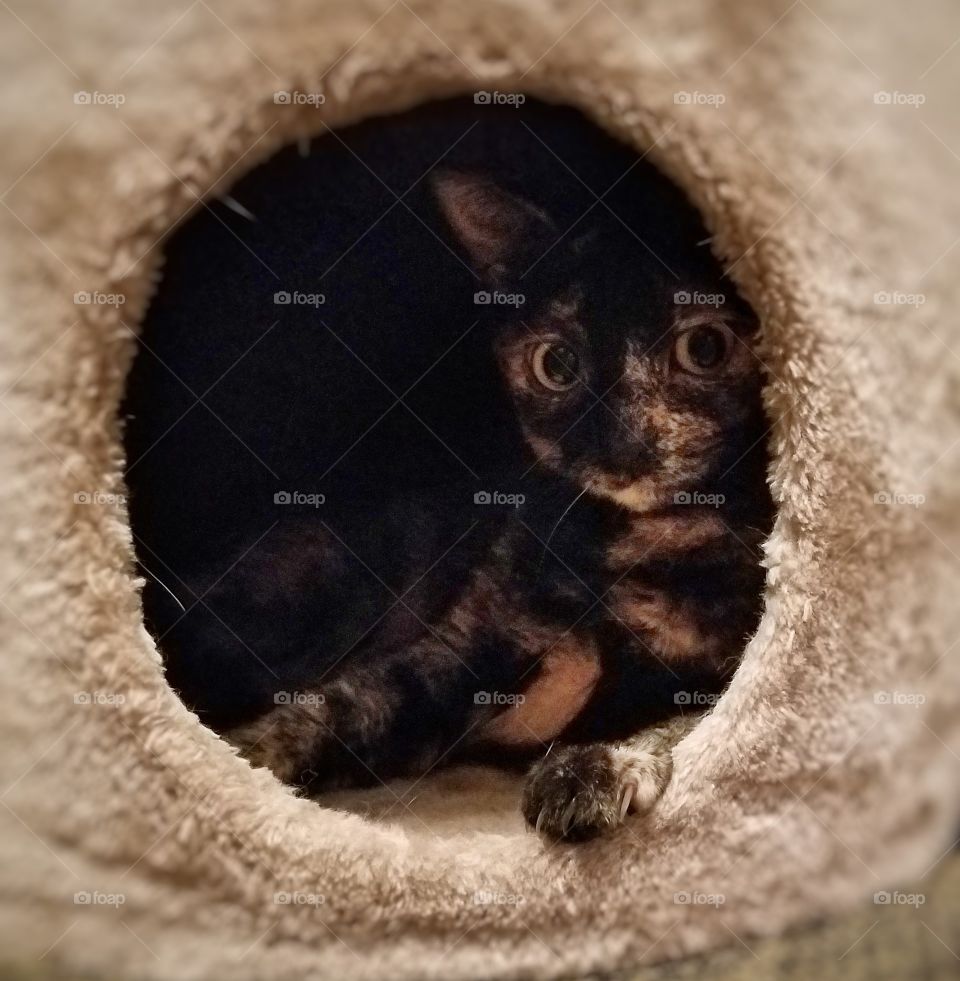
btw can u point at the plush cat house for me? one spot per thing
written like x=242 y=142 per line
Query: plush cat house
x=135 y=843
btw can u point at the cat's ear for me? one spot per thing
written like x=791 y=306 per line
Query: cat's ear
x=493 y=226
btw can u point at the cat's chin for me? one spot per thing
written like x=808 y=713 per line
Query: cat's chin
x=642 y=494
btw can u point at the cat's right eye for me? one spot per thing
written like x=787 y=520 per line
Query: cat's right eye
x=705 y=349
x=555 y=365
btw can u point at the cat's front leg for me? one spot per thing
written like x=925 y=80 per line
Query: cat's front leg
x=366 y=724
x=580 y=791
x=287 y=738
x=343 y=732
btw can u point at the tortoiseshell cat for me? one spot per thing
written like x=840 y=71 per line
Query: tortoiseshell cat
x=538 y=543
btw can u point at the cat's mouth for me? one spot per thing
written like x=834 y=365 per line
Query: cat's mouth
x=621 y=478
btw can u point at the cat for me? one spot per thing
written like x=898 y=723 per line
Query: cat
x=531 y=480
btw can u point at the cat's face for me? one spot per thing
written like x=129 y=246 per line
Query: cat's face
x=639 y=415
x=634 y=378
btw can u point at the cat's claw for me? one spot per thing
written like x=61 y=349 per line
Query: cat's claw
x=540 y=819
x=573 y=794
x=566 y=819
x=626 y=799
x=578 y=792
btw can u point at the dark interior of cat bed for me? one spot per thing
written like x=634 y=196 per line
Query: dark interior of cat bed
x=448 y=426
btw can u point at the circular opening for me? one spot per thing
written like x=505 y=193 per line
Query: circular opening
x=337 y=451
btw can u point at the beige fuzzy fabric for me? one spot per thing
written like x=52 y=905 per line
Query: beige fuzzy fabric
x=136 y=844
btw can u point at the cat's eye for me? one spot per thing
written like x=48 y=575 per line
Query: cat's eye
x=705 y=349
x=555 y=365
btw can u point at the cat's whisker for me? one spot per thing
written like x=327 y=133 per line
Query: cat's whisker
x=566 y=511
x=234 y=205
x=163 y=586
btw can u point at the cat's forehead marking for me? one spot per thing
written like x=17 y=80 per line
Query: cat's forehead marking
x=638 y=367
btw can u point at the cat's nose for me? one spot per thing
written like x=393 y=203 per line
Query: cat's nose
x=644 y=456
x=631 y=452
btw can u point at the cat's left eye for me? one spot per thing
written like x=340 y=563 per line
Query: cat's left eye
x=705 y=349
x=555 y=365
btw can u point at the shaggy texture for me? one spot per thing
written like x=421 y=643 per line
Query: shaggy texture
x=829 y=769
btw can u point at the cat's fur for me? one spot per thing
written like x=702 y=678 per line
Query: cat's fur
x=402 y=622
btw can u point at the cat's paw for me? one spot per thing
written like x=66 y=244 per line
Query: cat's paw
x=579 y=792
